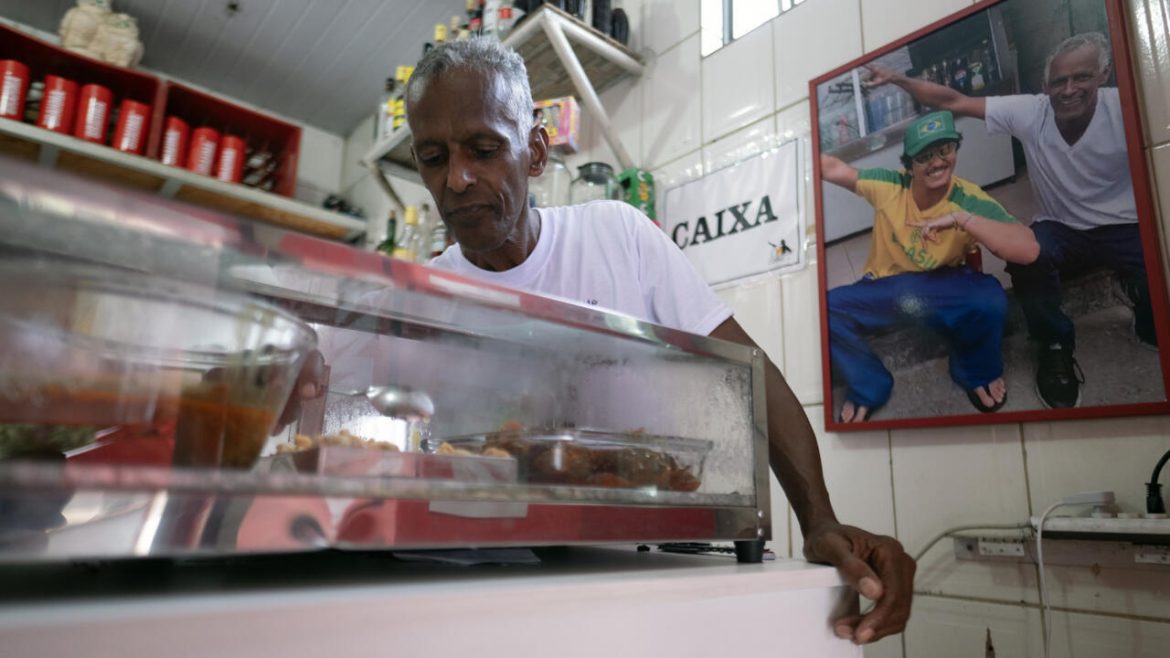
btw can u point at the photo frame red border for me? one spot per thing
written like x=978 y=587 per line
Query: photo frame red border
x=1119 y=35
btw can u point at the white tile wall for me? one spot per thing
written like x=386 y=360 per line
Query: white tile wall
x=668 y=22
x=803 y=51
x=949 y=477
x=802 y=334
x=1151 y=49
x=740 y=144
x=949 y=627
x=671 y=117
x=1090 y=636
x=1160 y=158
x=883 y=21
x=357 y=144
x=677 y=172
x=757 y=308
x=738 y=84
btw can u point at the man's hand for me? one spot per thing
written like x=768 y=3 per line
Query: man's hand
x=874 y=565
x=880 y=75
x=309 y=386
x=931 y=227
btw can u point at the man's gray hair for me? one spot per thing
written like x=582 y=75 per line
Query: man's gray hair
x=485 y=55
x=1094 y=39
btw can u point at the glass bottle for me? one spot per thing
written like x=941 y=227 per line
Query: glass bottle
x=595 y=181
x=407 y=248
x=387 y=246
x=552 y=187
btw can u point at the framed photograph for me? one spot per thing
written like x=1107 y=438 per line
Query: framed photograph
x=987 y=241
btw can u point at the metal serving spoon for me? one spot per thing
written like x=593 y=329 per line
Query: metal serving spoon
x=396 y=402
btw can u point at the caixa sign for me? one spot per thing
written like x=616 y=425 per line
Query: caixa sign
x=743 y=220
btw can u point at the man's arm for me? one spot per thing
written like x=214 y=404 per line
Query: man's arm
x=874 y=565
x=1011 y=241
x=929 y=93
x=837 y=172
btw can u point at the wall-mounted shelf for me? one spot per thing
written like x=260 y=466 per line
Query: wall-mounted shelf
x=63 y=152
x=564 y=57
x=1078 y=541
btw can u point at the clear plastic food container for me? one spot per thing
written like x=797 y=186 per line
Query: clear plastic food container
x=127 y=368
x=591 y=457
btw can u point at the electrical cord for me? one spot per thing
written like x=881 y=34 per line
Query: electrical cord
x=1154 y=503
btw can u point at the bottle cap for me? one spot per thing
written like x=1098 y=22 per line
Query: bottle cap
x=411 y=215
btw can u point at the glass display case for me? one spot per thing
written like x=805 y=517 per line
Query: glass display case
x=149 y=349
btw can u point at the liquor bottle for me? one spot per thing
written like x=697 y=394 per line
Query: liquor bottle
x=387 y=246
x=438 y=241
x=407 y=247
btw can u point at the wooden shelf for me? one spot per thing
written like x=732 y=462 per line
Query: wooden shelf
x=564 y=57
x=50 y=149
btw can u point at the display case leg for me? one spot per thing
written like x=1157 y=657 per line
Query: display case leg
x=749 y=551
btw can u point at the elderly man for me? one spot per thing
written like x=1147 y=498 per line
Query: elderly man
x=1074 y=141
x=926 y=222
x=476 y=143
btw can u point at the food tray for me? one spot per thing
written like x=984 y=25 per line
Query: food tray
x=354 y=461
x=591 y=457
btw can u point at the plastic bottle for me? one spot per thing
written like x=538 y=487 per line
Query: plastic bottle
x=407 y=247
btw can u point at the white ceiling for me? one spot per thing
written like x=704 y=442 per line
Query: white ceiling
x=322 y=62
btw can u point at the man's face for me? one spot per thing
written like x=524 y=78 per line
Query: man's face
x=1073 y=80
x=471 y=158
x=935 y=164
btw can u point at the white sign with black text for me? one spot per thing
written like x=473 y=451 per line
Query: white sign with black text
x=743 y=220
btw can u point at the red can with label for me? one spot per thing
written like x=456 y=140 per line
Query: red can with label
x=93 y=113
x=174 y=143
x=133 y=120
x=230 y=166
x=13 y=87
x=201 y=155
x=58 y=104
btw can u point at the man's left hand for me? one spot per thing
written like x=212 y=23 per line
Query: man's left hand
x=874 y=565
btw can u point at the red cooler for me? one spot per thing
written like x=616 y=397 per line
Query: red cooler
x=230 y=167
x=201 y=156
x=13 y=87
x=174 y=145
x=58 y=104
x=93 y=113
x=133 y=120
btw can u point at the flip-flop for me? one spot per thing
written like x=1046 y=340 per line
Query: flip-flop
x=978 y=404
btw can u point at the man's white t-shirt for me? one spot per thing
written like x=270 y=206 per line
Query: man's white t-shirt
x=1084 y=185
x=608 y=254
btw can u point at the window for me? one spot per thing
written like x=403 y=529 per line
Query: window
x=724 y=21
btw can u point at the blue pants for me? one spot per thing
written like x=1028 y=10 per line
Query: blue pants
x=1065 y=252
x=966 y=307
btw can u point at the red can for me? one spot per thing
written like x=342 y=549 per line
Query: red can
x=133 y=120
x=230 y=167
x=58 y=104
x=201 y=156
x=93 y=113
x=174 y=144
x=13 y=87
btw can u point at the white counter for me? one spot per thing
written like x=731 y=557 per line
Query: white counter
x=579 y=602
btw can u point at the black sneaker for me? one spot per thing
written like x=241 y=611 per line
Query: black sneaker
x=1058 y=377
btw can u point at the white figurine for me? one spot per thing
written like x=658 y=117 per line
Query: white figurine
x=80 y=24
x=116 y=40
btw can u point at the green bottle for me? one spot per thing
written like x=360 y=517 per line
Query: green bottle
x=387 y=246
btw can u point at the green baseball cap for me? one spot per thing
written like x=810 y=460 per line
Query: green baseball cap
x=928 y=129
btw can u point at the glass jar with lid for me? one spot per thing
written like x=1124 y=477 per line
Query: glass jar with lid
x=552 y=187
x=595 y=180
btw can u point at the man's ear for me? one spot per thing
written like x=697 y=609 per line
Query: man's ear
x=537 y=150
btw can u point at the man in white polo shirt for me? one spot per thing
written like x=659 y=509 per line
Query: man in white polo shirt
x=1086 y=217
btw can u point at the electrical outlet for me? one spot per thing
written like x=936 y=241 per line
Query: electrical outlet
x=1001 y=547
